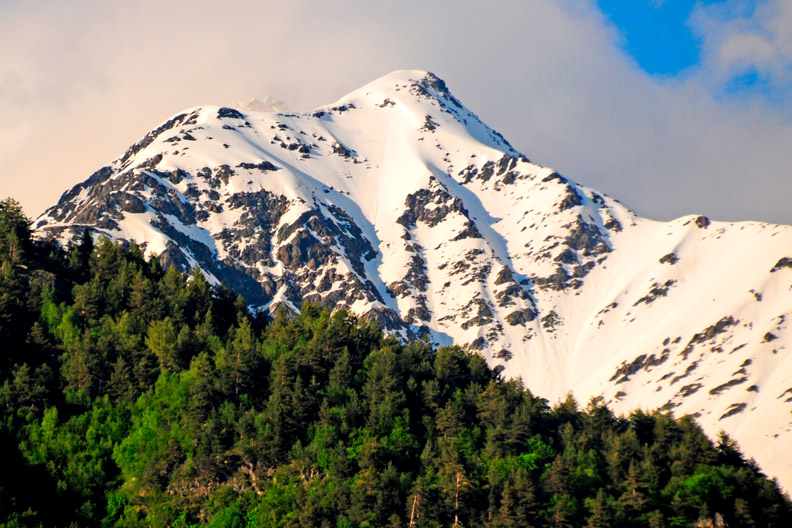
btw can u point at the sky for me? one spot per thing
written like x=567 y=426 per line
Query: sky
x=673 y=107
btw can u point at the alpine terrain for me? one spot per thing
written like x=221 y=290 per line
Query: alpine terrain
x=398 y=203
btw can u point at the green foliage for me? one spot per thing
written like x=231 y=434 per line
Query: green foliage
x=136 y=396
x=14 y=232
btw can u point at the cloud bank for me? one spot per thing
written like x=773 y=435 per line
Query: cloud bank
x=740 y=40
x=82 y=81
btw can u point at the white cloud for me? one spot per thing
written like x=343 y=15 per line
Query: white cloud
x=86 y=79
x=739 y=40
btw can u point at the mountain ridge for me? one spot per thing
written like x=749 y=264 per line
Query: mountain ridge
x=399 y=203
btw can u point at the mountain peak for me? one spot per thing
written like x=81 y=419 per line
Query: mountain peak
x=427 y=98
x=395 y=81
x=398 y=203
x=403 y=85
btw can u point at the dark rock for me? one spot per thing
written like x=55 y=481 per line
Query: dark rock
x=690 y=368
x=504 y=275
x=734 y=408
x=224 y=173
x=506 y=295
x=126 y=202
x=702 y=221
x=468 y=173
x=656 y=291
x=509 y=177
x=192 y=191
x=784 y=262
x=100 y=176
x=520 y=317
x=264 y=166
x=687 y=390
x=438 y=86
x=487 y=171
x=303 y=249
x=416 y=273
x=261 y=212
x=580 y=271
x=586 y=238
x=708 y=333
x=557 y=281
x=571 y=199
x=551 y=321
x=385 y=317
x=150 y=163
x=728 y=385
x=506 y=163
x=642 y=362
x=429 y=125
x=468 y=231
x=444 y=204
x=229 y=113
x=627 y=369
x=555 y=177
x=483 y=314
x=417 y=314
x=584 y=241
x=177 y=176
x=568 y=256
x=343 y=108
x=341 y=150
x=154 y=134
x=478 y=344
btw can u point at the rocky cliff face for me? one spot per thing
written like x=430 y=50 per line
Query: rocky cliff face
x=398 y=203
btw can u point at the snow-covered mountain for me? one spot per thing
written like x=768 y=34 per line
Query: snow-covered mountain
x=398 y=203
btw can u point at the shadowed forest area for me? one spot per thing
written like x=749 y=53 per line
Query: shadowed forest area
x=131 y=395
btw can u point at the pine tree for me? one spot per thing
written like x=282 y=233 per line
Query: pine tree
x=80 y=256
x=601 y=513
x=634 y=497
x=120 y=387
x=14 y=232
x=162 y=341
x=82 y=371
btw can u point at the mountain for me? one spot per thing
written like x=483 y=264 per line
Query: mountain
x=399 y=203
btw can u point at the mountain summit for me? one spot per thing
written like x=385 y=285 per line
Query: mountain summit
x=400 y=204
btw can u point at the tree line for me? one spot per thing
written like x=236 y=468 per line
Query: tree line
x=131 y=395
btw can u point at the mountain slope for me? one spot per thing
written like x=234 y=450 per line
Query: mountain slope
x=399 y=203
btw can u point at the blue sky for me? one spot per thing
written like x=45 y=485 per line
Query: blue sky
x=657 y=34
x=665 y=40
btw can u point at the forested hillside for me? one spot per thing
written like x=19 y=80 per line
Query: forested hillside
x=131 y=395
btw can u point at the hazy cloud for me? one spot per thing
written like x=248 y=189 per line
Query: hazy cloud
x=81 y=81
x=739 y=40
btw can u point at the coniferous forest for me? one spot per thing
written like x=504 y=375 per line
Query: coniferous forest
x=132 y=395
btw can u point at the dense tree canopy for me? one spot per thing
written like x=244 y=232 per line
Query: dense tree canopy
x=136 y=396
